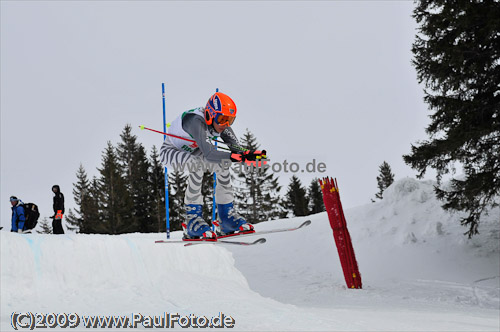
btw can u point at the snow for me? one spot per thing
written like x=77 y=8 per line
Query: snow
x=419 y=272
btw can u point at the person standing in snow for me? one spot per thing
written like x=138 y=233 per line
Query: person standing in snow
x=203 y=124
x=18 y=218
x=58 y=207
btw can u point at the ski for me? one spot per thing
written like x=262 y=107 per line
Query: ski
x=279 y=230
x=185 y=241
x=223 y=239
x=239 y=243
x=198 y=241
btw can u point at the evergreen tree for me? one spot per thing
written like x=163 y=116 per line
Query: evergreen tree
x=177 y=188
x=272 y=204
x=256 y=188
x=80 y=188
x=296 y=198
x=46 y=229
x=283 y=207
x=385 y=179
x=143 y=193
x=93 y=213
x=85 y=216
x=135 y=165
x=157 y=180
x=316 y=204
x=115 y=201
x=247 y=189
x=457 y=57
x=73 y=222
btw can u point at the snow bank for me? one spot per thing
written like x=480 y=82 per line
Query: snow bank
x=419 y=272
x=408 y=235
x=93 y=273
x=121 y=275
x=411 y=213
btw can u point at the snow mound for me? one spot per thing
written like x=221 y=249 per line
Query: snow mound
x=411 y=254
x=411 y=213
x=70 y=273
x=120 y=275
x=419 y=272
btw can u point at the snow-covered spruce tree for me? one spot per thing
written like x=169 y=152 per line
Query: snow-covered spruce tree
x=115 y=203
x=316 y=204
x=75 y=221
x=457 y=57
x=256 y=188
x=177 y=181
x=45 y=227
x=296 y=197
x=136 y=167
x=157 y=180
x=85 y=217
x=273 y=202
x=93 y=215
x=385 y=179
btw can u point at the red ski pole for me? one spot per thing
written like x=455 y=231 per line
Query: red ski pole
x=190 y=140
x=171 y=135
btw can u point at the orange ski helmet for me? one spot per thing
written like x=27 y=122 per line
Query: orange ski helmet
x=221 y=109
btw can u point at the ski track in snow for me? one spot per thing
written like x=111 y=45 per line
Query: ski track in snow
x=419 y=273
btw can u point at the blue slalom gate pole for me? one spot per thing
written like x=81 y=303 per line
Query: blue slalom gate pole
x=214 y=206
x=167 y=214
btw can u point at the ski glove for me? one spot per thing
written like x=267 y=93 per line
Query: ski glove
x=250 y=155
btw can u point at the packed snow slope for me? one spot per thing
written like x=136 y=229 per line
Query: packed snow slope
x=419 y=273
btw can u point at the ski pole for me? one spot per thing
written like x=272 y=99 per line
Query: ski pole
x=193 y=141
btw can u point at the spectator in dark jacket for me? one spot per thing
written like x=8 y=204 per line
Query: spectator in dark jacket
x=18 y=217
x=58 y=210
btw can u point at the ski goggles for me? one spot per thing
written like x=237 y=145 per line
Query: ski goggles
x=224 y=120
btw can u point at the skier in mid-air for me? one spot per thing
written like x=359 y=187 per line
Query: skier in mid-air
x=203 y=124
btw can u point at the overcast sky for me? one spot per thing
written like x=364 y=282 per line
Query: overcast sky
x=325 y=80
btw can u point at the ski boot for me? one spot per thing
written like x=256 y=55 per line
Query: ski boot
x=230 y=221
x=195 y=228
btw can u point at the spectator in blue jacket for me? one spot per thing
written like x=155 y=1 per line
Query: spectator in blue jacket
x=18 y=217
